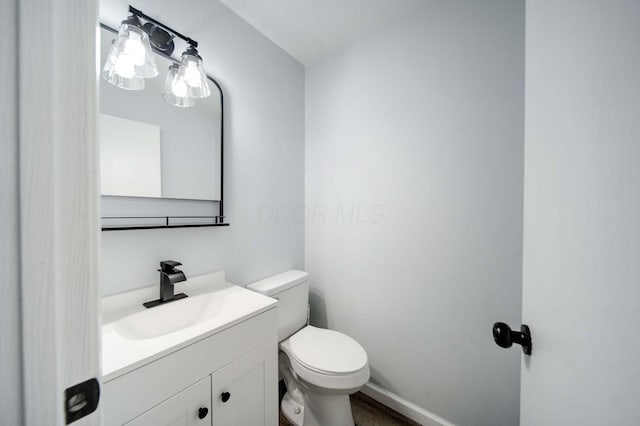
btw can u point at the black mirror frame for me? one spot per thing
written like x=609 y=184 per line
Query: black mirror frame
x=207 y=220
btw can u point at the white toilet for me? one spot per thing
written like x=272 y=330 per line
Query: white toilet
x=321 y=368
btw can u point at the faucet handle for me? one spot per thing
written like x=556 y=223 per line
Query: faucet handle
x=169 y=265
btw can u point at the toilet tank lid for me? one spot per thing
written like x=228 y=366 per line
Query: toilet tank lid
x=278 y=283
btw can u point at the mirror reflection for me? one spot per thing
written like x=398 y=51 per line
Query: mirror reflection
x=150 y=148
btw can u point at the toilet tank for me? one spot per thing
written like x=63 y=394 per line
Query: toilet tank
x=291 y=288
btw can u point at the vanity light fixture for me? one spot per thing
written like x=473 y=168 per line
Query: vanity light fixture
x=176 y=91
x=130 y=60
x=117 y=72
x=192 y=73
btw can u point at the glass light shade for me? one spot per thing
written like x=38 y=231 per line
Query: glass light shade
x=192 y=72
x=130 y=58
x=176 y=90
x=119 y=70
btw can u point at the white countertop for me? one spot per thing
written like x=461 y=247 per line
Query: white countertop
x=121 y=354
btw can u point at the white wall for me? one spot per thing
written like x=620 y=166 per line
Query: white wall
x=582 y=213
x=10 y=367
x=264 y=164
x=420 y=127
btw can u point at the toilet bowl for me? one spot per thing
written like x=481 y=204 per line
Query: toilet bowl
x=320 y=367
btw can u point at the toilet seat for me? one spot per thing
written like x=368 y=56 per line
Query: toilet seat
x=327 y=351
x=327 y=359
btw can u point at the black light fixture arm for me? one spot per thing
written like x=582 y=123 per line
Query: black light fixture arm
x=141 y=14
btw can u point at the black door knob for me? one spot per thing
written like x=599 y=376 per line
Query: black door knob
x=202 y=412
x=224 y=396
x=505 y=337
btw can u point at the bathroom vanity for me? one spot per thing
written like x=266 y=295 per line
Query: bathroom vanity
x=209 y=359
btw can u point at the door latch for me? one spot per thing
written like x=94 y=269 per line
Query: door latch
x=81 y=400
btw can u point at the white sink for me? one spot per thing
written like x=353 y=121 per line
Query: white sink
x=133 y=335
x=171 y=317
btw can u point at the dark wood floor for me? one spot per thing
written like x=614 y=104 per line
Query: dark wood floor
x=368 y=412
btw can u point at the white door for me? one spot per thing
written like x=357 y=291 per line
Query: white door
x=54 y=212
x=581 y=289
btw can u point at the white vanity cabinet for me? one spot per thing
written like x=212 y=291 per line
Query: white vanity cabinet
x=232 y=374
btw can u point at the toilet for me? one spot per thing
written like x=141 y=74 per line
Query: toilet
x=320 y=367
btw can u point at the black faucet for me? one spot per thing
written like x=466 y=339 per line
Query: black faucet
x=169 y=276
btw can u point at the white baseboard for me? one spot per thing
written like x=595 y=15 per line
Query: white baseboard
x=404 y=407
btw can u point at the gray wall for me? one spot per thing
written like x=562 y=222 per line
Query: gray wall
x=264 y=164
x=582 y=213
x=414 y=180
x=10 y=344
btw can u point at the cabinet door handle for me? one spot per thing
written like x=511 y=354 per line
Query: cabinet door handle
x=202 y=412
x=225 y=396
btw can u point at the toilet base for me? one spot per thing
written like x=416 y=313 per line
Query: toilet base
x=308 y=404
x=322 y=409
x=319 y=409
x=292 y=410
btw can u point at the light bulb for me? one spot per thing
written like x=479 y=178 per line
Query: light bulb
x=130 y=60
x=191 y=74
x=124 y=66
x=176 y=90
x=134 y=48
x=179 y=88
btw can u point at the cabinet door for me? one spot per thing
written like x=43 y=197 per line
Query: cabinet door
x=183 y=409
x=245 y=391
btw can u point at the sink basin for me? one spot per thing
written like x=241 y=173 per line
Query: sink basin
x=169 y=318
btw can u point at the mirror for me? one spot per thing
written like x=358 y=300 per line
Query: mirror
x=151 y=150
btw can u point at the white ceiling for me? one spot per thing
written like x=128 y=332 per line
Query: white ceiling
x=307 y=29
